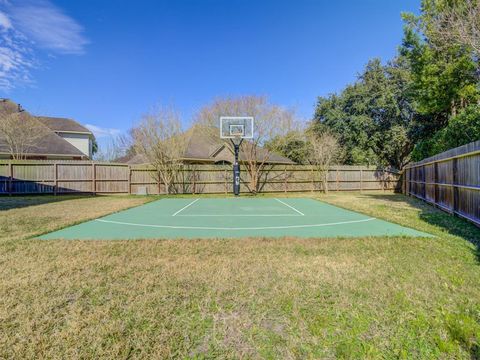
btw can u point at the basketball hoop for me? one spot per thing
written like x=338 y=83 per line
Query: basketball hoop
x=236 y=128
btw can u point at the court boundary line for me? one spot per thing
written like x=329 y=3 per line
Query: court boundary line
x=291 y=207
x=233 y=228
x=193 y=202
x=239 y=215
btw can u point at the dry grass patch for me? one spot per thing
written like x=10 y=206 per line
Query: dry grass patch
x=23 y=217
x=248 y=298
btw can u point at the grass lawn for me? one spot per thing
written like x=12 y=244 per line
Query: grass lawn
x=249 y=298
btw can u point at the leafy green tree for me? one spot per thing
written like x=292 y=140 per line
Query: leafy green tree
x=293 y=145
x=94 y=146
x=370 y=111
x=444 y=75
x=461 y=129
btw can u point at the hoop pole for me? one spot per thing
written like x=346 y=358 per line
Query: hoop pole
x=236 y=168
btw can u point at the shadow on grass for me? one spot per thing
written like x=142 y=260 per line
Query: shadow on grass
x=452 y=225
x=17 y=202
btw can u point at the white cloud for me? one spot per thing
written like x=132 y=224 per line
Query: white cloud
x=5 y=22
x=16 y=59
x=49 y=27
x=28 y=26
x=101 y=132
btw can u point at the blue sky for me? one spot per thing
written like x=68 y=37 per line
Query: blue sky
x=105 y=63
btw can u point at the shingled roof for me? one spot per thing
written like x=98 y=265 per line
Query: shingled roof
x=63 y=125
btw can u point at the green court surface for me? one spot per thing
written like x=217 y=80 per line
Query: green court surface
x=232 y=218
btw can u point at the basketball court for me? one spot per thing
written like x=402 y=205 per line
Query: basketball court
x=232 y=218
x=236 y=217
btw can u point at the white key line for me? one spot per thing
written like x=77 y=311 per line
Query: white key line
x=291 y=207
x=193 y=202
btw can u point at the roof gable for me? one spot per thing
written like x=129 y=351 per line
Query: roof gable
x=225 y=154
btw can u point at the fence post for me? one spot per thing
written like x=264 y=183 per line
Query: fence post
x=285 y=179
x=407 y=183
x=383 y=180
x=337 y=178
x=10 y=178
x=455 y=188
x=225 y=178
x=435 y=181
x=361 y=180
x=94 y=182
x=313 y=180
x=194 y=189
x=55 y=178
x=424 y=192
x=129 y=169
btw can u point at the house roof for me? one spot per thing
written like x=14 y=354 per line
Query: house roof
x=201 y=144
x=8 y=106
x=204 y=145
x=132 y=159
x=49 y=144
x=63 y=124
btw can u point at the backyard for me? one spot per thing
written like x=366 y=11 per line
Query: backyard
x=374 y=297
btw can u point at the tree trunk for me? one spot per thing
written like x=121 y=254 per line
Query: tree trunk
x=453 y=108
x=325 y=182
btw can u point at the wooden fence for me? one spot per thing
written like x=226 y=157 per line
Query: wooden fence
x=59 y=177
x=450 y=181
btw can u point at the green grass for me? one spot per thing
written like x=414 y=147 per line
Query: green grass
x=249 y=298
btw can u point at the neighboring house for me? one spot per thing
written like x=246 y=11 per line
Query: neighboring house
x=64 y=139
x=71 y=131
x=203 y=148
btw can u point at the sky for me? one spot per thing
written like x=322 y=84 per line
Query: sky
x=105 y=63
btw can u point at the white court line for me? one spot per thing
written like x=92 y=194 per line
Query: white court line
x=238 y=215
x=193 y=202
x=291 y=207
x=231 y=228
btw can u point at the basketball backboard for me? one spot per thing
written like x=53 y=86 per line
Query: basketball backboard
x=235 y=127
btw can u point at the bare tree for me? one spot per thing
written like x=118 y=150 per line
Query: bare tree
x=270 y=121
x=20 y=133
x=114 y=148
x=459 y=24
x=324 y=150
x=159 y=137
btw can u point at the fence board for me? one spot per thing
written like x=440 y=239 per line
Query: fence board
x=450 y=181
